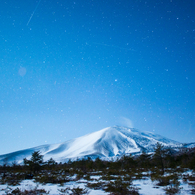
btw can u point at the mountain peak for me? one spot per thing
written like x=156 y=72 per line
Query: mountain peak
x=106 y=143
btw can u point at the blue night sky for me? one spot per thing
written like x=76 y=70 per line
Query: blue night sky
x=69 y=68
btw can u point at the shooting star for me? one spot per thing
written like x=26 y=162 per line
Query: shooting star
x=33 y=13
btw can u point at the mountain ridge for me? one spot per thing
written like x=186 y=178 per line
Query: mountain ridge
x=106 y=143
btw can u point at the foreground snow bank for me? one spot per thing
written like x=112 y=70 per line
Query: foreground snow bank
x=146 y=187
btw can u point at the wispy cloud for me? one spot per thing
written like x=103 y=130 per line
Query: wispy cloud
x=126 y=122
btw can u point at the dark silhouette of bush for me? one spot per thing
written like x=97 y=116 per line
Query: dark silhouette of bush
x=35 y=162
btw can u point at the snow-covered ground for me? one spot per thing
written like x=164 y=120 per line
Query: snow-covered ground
x=145 y=186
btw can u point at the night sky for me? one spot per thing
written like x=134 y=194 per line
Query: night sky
x=69 y=68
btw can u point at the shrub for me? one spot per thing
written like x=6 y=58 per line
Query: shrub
x=119 y=187
x=87 y=177
x=191 y=178
x=64 y=191
x=51 y=178
x=73 y=191
x=174 y=186
x=12 y=179
x=79 y=191
x=95 y=186
x=165 y=180
x=192 y=191
x=172 y=190
x=34 y=191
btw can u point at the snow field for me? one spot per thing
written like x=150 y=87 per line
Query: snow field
x=146 y=186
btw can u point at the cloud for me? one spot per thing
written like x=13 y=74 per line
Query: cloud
x=126 y=122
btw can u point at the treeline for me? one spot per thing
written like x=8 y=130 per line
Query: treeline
x=162 y=158
x=165 y=166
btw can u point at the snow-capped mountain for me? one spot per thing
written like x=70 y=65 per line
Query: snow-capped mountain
x=106 y=143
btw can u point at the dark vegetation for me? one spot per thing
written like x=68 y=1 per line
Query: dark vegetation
x=165 y=167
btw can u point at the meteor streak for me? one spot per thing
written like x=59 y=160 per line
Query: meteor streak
x=33 y=13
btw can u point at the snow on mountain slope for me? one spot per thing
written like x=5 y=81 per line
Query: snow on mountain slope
x=106 y=143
